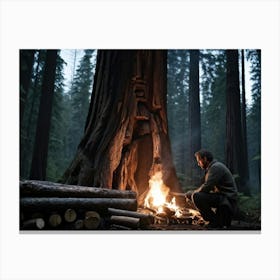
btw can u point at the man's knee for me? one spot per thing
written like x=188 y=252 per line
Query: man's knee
x=197 y=199
x=194 y=197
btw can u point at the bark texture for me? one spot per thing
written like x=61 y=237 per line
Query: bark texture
x=61 y=203
x=33 y=188
x=126 y=132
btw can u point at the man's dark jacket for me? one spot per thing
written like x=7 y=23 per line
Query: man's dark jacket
x=218 y=179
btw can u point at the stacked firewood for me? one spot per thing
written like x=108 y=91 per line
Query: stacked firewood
x=52 y=206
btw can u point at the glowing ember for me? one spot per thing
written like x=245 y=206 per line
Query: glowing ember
x=157 y=195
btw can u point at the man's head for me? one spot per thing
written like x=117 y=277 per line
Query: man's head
x=203 y=158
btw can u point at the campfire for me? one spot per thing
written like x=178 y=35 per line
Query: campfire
x=160 y=202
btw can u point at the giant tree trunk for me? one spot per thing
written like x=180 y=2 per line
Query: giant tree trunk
x=40 y=152
x=234 y=137
x=194 y=116
x=126 y=134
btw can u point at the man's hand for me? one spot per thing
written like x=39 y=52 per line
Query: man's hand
x=188 y=195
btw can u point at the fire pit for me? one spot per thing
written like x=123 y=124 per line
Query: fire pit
x=161 y=204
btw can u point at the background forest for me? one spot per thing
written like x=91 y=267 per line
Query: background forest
x=197 y=102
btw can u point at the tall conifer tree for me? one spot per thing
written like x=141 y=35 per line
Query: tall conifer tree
x=80 y=93
x=40 y=151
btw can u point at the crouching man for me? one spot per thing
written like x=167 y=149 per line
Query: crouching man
x=216 y=198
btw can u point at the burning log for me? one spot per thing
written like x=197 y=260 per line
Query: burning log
x=169 y=212
x=160 y=219
x=178 y=194
x=182 y=200
x=57 y=203
x=33 y=188
x=129 y=222
x=144 y=219
x=37 y=223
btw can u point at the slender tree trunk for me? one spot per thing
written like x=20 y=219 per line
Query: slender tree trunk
x=26 y=66
x=74 y=67
x=40 y=151
x=243 y=122
x=259 y=134
x=234 y=138
x=194 y=114
x=183 y=109
x=126 y=136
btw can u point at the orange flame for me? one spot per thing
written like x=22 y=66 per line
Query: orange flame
x=157 y=195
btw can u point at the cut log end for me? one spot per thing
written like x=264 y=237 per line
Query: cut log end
x=70 y=215
x=37 y=223
x=92 y=220
x=55 y=220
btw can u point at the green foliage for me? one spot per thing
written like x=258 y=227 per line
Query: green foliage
x=213 y=108
x=68 y=114
x=57 y=162
x=213 y=111
x=250 y=207
x=80 y=93
x=254 y=118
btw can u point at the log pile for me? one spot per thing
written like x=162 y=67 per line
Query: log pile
x=52 y=206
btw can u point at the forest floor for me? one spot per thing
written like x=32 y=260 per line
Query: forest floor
x=247 y=218
x=236 y=225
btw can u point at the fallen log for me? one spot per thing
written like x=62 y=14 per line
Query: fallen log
x=33 y=188
x=94 y=204
x=129 y=222
x=178 y=194
x=144 y=219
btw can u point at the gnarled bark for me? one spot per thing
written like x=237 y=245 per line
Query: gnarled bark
x=126 y=130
